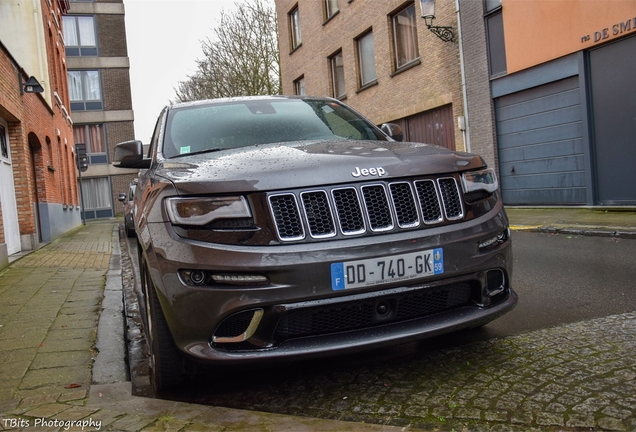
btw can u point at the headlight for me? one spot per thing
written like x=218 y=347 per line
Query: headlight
x=202 y=211
x=485 y=179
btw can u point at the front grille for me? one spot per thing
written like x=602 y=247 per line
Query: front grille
x=363 y=313
x=367 y=208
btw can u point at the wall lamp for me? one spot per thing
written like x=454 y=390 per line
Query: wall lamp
x=31 y=86
x=428 y=13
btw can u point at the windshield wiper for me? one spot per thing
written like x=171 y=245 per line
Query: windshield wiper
x=210 y=150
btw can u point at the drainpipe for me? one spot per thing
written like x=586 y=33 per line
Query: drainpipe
x=466 y=130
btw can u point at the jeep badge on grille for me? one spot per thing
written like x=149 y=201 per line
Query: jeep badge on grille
x=379 y=171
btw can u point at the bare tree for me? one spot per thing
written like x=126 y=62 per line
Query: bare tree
x=242 y=60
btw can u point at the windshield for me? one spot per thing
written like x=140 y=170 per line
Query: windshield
x=200 y=128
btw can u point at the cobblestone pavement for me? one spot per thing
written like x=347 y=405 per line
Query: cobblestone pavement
x=580 y=376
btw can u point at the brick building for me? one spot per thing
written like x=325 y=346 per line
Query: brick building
x=544 y=91
x=38 y=191
x=379 y=58
x=101 y=102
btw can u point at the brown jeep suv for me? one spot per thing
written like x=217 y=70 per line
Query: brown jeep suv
x=281 y=228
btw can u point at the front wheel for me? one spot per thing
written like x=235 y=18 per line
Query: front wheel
x=166 y=362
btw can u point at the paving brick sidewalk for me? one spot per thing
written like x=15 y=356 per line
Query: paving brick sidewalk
x=50 y=306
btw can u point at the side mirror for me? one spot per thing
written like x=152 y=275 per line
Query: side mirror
x=393 y=130
x=122 y=197
x=130 y=154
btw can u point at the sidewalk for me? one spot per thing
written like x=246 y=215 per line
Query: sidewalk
x=610 y=222
x=62 y=355
x=62 y=360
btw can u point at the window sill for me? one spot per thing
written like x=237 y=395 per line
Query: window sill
x=331 y=17
x=367 y=85
x=409 y=65
x=295 y=48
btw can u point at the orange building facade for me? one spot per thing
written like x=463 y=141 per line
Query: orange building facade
x=564 y=96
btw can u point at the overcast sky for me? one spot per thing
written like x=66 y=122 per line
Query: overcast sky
x=164 y=40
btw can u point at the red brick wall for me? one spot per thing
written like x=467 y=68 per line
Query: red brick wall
x=34 y=124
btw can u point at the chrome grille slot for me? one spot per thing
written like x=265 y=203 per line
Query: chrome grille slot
x=450 y=197
x=287 y=217
x=318 y=214
x=404 y=205
x=429 y=201
x=349 y=211
x=376 y=204
x=366 y=209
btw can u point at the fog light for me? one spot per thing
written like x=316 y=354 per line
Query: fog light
x=500 y=238
x=206 y=278
x=239 y=279
x=197 y=277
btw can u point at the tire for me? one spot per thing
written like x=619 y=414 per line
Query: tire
x=166 y=361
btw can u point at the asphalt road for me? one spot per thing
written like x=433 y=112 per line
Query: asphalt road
x=562 y=279
x=559 y=278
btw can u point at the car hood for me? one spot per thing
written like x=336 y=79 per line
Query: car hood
x=307 y=164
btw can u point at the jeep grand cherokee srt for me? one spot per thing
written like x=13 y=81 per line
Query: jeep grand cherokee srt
x=275 y=228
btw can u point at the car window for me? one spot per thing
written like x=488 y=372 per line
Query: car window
x=131 y=192
x=200 y=128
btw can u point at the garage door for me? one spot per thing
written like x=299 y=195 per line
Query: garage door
x=539 y=137
x=432 y=127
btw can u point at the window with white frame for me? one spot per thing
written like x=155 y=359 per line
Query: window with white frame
x=405 y=36
x=93 y=136
x=79 y=35
x=294 y=28
x=85 y=89
x=331 y=8
x=299 y=86
x=366 y=59
x=337 y=75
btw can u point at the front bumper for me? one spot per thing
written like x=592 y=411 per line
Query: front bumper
x=299 y=280
x=359 y=340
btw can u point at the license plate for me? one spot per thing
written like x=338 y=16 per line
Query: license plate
x=394 y=268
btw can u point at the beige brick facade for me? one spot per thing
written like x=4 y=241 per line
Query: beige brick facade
x=433 y=82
